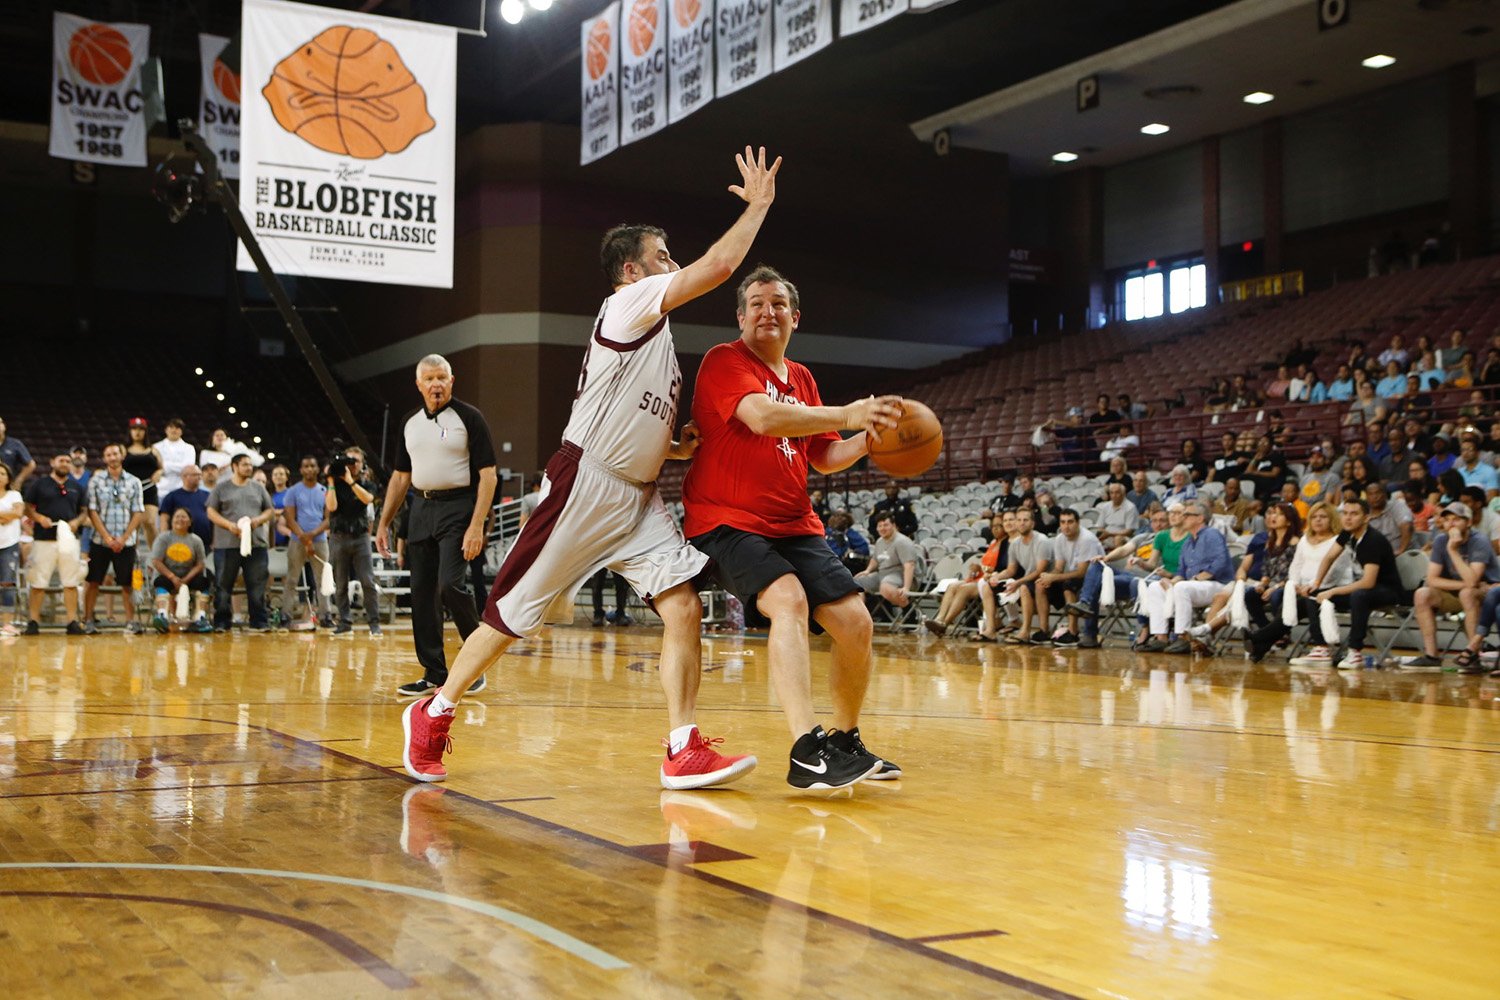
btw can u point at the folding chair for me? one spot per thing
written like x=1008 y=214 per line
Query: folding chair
x=1412 y=565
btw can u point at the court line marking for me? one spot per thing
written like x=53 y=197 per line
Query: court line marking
x=545 y=932
x=175 y=788
x=959 y=936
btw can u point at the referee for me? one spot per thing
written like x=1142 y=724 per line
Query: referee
x=445 y=457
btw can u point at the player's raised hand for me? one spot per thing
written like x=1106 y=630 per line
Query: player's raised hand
x=759 y=181
x=874 y=415
x=687 y=442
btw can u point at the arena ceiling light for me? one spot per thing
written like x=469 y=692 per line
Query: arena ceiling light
x=1378 y=61
x=540 y=5
x=1155 y=128
x=1259 y=97
x=511 y=11
x=1064 y=157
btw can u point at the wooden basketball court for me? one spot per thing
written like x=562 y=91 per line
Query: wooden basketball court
x=207 y=816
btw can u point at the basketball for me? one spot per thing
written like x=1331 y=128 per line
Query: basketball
x=100 y=54
x=642 y=26
x=598 y=49
x=913 y=446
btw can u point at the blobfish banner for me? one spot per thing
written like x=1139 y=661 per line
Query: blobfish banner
x=347 y=142
x=219 y=103
x=98 y=113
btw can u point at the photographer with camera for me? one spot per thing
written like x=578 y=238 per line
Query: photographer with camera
x=346 y=506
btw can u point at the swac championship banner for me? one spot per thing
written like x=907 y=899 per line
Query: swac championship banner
x=219 y=103
x=690 y=57
x=97 y=108
x=599 y=116
x=857 y=15
x=742 y=43
x=802 y=28
x=643 y=70
x=346 y=147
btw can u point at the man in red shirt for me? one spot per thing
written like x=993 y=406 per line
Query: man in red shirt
x=745 y=497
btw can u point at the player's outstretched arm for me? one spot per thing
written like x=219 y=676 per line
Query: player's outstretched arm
x=757 y=189
x=763 y=415
x=837 y=456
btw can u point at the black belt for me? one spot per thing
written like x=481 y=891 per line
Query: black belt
x=453 y=494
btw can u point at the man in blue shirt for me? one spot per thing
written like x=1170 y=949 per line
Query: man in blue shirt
x=306 y=525
x=14 y=454
x=1204 y=567
x=191 y=498
x=1474 y=471
x=1342 y=386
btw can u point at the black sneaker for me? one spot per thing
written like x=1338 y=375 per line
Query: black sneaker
x=851 y=744
x=343 y=630
x=817 y=764
x=1066 y=639
x=1039 y=638
x=479 y=685
x=1178 y=647
x=417 y=688
x=32 y=628
x=598 y=619
x=620 y=618
x=74 y=628
x=1085 y=608
x=1088 y=642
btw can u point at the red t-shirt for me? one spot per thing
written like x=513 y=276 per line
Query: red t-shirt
x=743 y=479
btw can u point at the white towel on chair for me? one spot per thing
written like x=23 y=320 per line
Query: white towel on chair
x=1239 y=615
x=1289 y=605
x=1328 y=620
x=245 y=540
x=1107 y=588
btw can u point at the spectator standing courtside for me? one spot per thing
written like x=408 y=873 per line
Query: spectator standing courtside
x=193 y=498
x=144 y=463
x=14 y=454
x=176 y=455
x=445 y=456
x=899 y=509
x=346 y=506
x=51 y=500
x=116 y=510
x=232 y=500
x=12 y=509
x=303 y=512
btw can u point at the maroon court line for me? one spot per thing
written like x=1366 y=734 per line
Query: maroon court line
x=533 y=798
x=960 y=936
x=178 y=788
x=387 y=974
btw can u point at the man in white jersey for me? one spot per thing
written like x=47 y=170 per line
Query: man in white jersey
x=599 y=505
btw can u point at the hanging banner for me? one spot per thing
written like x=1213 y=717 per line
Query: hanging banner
x=643 y=71
x=857 y=15
x=219 y=103
x=742 y=44
x=802 y=28
x=97 y=108
x=599 y=118
x=690 y=62
x=347 y=140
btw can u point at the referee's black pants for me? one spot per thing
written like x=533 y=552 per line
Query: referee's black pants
x=439 y=578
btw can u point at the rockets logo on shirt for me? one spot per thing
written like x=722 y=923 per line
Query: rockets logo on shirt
x=777 y=396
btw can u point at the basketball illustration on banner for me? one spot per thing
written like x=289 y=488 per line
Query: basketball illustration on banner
x=643 y=20
x=100 y=54
x=227 y=81
x=348 y=92
x=598 y=49
x=686 y=12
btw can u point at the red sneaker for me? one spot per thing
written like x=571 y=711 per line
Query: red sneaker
x=698 y=765
x=426 y=741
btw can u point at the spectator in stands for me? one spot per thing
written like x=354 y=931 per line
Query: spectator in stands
x=1396 y=353
x=116 y=511
x=1030 y=555
x=1154 y=591
x=51 y=500
x=1008 y=498
x=987 y=581
x=1342 y=386
x=1489 y=372
x=820 y=505
x=144 y=462
x=846 y=542
x=1292 y=495
x=1278 y=537
x=1389 y=516
x=1266 y=468
x=1417 y=435
x=78 y=468
x=259 y=476
x=1279 y=385
x=1486 y=521
x=1429 y=373
x=1317 y=481
x=1304 y=571
x=1230 y=463
x=898 y=507
x=1141 y=495
x=347 y=505
x=1462 y=566
x=1046 y=512
x=1104 y=419
x=181 y=561
x=1276 y=428
x=1442 y=459
x=14 y=454
x=1468 y=661
x=1241 y=396
x=1376 y=448
x=1134 y=412
x=1399 y=456
x=1192 y=457
x=1123 y=440
x=1393 y=383
x=223 y=448
x=1463 y=375
x=1455 y=350
x=1204 y=570
x=1360 y=473
x=1367 y=406
x=1415 y=404
x=1074 y=548
x=210 y=477
x=176 y=455
x=1137 y=552
x=306 y=521
x=1119 y=472
x=236 y=499
x=1181 y=489
x=1422 y=509
x=1244 y=513
x=891 y=571
x=619 y=616
x=1118 y=518
x=1073 y=440
x=1358 y=360
x=1026 y=485
x=276 y=484
x=1375 y=582
x=960 y=593
x=191 y=497
x=1474 y=471
x=12 y=510
x=1340 y=465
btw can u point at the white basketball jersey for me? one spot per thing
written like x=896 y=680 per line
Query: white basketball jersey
x=626 y=405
